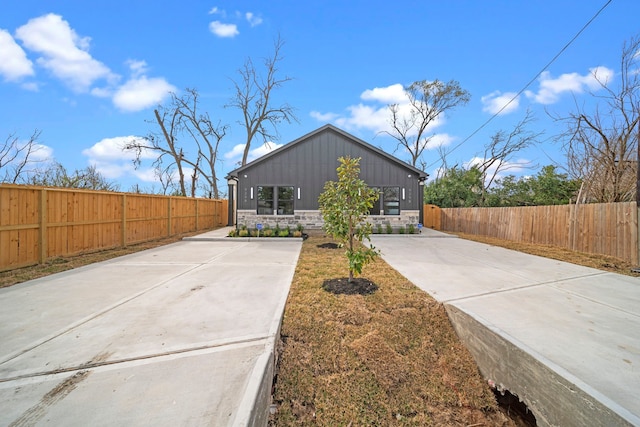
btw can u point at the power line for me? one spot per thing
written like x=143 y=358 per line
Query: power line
x=530 y=81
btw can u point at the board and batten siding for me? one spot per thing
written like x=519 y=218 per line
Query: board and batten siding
x=311 y=163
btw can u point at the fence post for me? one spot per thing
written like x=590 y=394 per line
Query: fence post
x=169 y=217
x=123 y=227
x=42 y=235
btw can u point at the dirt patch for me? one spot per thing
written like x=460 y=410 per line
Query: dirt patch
x=359 y=286
x=329 y=245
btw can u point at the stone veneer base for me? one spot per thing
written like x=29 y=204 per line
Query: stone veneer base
x=312 y=219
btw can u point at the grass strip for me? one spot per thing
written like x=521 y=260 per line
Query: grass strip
x=389 y=358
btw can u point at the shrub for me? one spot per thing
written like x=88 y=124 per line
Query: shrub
x=401 y=230
x=267 y=232
x=411 y=229
x=243 y=233
x=283 y=233
x=297 y=233
x=379 y=228
x=389 y=228
x=300 y=228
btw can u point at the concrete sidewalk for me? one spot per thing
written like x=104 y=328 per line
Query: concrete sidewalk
x=564 y=338
x=174 y=336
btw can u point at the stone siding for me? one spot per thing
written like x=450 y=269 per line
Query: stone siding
x=312 y=220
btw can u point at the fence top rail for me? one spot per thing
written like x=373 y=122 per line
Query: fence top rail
x=101 y=192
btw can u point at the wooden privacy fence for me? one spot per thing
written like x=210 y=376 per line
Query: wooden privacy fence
x=38 y=223
x=601 y=228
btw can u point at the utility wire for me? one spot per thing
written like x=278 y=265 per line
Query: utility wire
x=530 y=82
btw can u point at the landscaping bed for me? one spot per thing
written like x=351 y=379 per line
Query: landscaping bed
x=382 y=357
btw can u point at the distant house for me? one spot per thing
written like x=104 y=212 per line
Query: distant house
x=283 y=186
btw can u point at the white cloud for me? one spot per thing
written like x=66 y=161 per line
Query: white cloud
x=64 y=53
x=214 y=10
x=138 y=68
x=223 y=30
x=440 y=140
x=510 y=167
x=495 y=101
x=326 y=117
x=41 y=153
x=112 y=161
x=253 y=19
x=375 y=115
x=113 y=149
x=236 y=152
x=141 y=92
x=363 y=116
x=14 y=64
x=393 y=94
x=551 y=89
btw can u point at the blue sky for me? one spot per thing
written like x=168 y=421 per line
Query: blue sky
x=89 y=77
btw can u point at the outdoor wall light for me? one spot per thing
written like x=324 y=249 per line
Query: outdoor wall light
x=298 y=193
x=251 y=192
x=403 y=194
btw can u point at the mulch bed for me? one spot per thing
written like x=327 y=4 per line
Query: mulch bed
x=359 y=286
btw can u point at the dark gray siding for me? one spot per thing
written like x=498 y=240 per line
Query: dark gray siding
x=310 y=163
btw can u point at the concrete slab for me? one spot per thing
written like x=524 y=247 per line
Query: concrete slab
x=179 y=335
x=564 y=338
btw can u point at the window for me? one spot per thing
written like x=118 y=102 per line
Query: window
x=391 y=200
x=265 y=200
x=376 y=209
x=388 y=203
x=275 y=200
x=285 y=200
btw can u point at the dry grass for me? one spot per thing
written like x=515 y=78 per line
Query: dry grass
x=390 y=358
x=57 y=265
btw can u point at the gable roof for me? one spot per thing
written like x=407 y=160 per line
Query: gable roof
x=324 y=128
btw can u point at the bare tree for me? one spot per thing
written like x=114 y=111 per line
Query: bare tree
x=254 y=98
x=601 y=144
x=16 y=157
x=427 y=101
x=206 y=136
x=500 y=151
x=56 y=175
x=170 y=155
x=183 y=118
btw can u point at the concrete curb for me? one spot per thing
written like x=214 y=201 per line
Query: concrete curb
x=254 y=407
x=555 y=396
x=241 y=239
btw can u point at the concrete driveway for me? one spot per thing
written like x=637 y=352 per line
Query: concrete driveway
x=175 y=336
x=564 y=338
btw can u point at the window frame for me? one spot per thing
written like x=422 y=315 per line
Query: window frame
x=273 y=205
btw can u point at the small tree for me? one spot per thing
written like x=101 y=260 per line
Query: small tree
x=345 y=205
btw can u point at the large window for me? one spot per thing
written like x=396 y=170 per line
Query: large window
x=275 y=199
x=388 y=203
x=285 y=200
x=265 y=200
x=391 y=200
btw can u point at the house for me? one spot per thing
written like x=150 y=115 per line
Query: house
x=283 y=186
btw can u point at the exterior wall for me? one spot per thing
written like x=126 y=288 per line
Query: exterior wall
x=306 y=166
x=312 y=219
